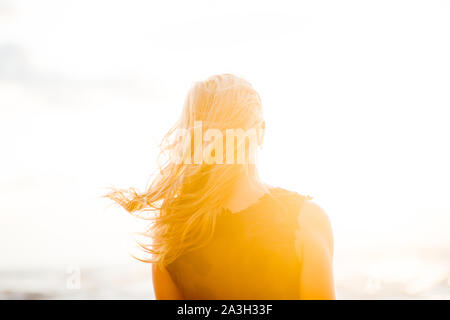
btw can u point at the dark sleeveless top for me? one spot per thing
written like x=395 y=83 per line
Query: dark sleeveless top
x=252 y=254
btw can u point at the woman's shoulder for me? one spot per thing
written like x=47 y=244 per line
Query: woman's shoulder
x=313 y=214
x=288 y=195
x=287 y=202
x=308 y=211
x=314 y=223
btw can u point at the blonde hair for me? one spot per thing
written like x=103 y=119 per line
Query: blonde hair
x=185 y=198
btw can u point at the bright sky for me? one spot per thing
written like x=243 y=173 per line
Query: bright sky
x=356 y=97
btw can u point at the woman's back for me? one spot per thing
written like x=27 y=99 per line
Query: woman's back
x=252 y=254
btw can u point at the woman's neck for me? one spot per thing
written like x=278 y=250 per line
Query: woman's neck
x=248 y=189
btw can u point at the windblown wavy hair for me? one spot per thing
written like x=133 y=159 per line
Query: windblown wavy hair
x=184 y=199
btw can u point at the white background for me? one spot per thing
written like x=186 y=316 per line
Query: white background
x=356 y=98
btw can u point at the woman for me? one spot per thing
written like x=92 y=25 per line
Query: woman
x=217 y=231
